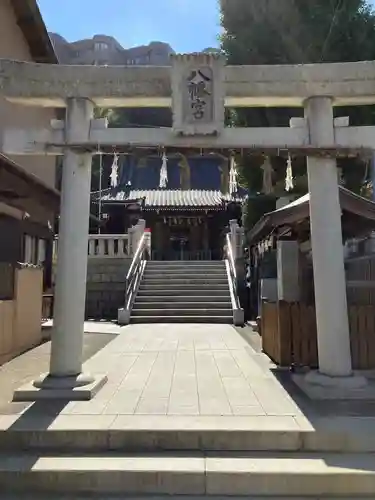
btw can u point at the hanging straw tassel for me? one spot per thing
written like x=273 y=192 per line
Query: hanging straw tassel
x=163 y=172
x=233 y=174
x=289 y=184
x=114 y=171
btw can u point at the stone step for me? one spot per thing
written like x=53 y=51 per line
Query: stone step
x=182 y=305
x=184 y=286
x=183 y=298
x=162 y=318
x=184 y=270
x=185 y=290
x=261 y=474
x=207 y=263
x=188 y=280
x=188 y=269
x=186 y=276
x=156 y=433
x=165 y=311
x=185 y=265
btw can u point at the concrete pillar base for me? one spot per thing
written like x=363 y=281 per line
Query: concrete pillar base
x=123 y=316
x=352 y=382
x=322 y=387
x=77 y=388
x=238 y=317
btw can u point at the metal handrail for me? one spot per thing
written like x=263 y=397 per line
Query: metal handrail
x=135 y=272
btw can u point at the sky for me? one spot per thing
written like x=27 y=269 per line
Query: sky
x=187 y=25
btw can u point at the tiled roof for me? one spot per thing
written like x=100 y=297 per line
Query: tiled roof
x=194 y=198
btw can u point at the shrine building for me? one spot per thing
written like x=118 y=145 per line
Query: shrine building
x=187 y=202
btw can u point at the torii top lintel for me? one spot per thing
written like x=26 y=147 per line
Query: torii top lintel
x=151 y=86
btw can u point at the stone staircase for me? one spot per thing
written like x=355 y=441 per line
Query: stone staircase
x=183 y=292
x=258 y=458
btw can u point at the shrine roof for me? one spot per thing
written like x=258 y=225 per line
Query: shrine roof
x=167 y=198
x=25 y=184
x=292 y=214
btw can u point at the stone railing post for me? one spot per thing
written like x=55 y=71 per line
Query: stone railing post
x=236 y=238
x=233 y=224
x=148 y=242
x=135 y=235
x=240 y=241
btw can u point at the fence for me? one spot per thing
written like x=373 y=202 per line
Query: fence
x=7 y=271
x=108 y=245
x=47 y=306
x=360 y=279
x=289 y=334
x=102 y=246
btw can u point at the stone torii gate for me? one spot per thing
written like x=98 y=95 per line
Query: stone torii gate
x=198 y=88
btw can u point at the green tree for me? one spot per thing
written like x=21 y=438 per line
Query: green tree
x=296 y=32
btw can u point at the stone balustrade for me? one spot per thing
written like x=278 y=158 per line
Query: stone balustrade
x=108 y=246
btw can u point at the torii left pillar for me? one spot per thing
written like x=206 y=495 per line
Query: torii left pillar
x=65 y=379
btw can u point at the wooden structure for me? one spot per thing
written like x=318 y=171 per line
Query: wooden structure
x=293 y=220
x=27 y=211
x=289 y=332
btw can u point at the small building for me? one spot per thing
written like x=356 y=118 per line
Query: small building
x=29 y=201
x=187 y=217
x=282 y=286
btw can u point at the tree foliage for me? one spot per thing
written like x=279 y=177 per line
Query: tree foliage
x=296 y=32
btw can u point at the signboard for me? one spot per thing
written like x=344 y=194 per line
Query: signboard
x=198 y=94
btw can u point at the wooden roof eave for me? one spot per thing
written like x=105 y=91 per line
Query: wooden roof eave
x=293 y=214
x=192 y=208
x=47 y=194
x=31 y=23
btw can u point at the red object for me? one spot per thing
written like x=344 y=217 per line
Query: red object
x=147 y=230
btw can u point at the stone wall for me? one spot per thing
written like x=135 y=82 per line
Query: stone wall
x=105 y=287
x=20 y=318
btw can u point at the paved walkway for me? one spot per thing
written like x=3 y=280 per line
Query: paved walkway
x=172 y=370
x=31 y=364
x=183 y=369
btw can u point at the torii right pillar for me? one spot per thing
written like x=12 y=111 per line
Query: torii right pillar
x=327 y=250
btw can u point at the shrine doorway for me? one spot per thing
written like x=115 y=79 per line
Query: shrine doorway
x=179 y=244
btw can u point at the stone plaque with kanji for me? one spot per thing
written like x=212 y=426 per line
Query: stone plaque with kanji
x=198 y=94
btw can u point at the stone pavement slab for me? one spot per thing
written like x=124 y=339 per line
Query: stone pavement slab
x=172 y=377
x=179 y=370
x=33 y=363
x=161 y=370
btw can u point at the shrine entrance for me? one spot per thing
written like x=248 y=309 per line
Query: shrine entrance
x=198 y=88
x=179 y=244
